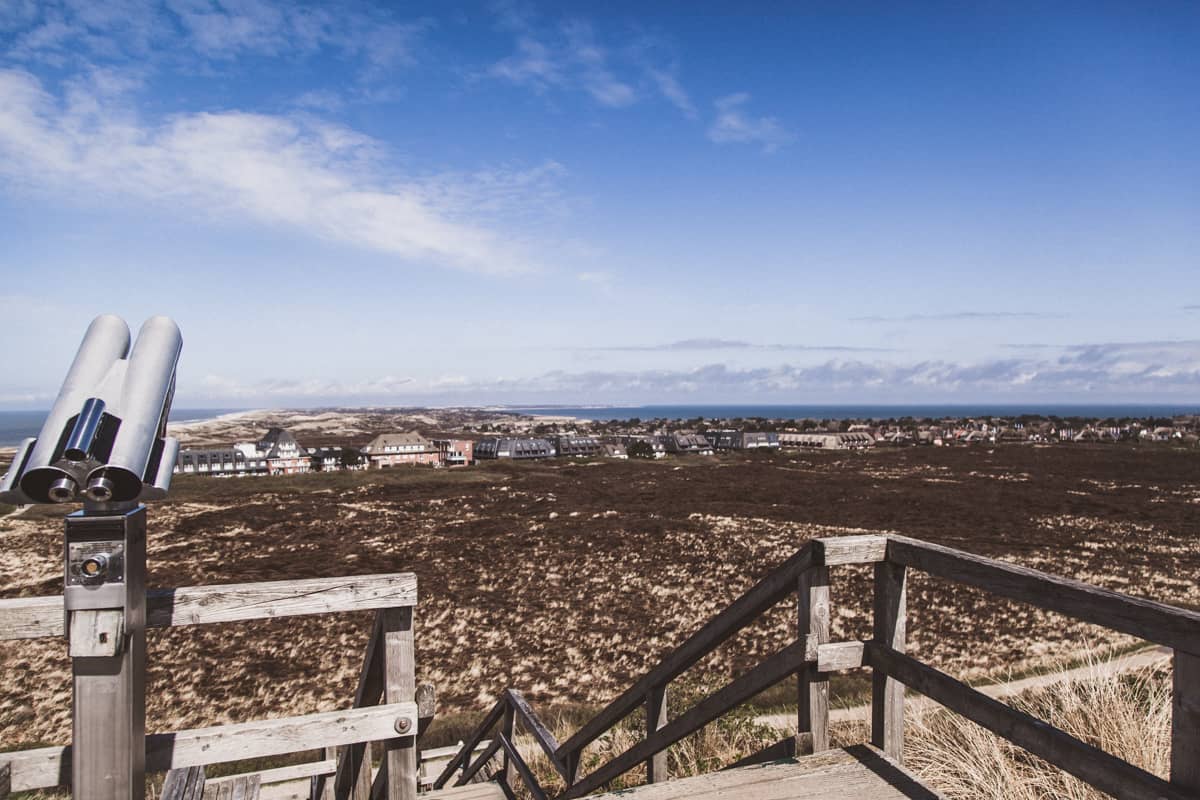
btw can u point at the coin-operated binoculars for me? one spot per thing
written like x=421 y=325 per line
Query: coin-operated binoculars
x=104 y=444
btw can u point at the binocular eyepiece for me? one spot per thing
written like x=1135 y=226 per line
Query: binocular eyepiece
x=104 y=440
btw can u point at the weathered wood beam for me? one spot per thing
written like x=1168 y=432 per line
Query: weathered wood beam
x=522 y=769
x=477 y=764
x=537 y=729
x=51 y=766
x=887 y=694
x=657 y=719
x=293 y=772
x=832 y=551
x=1185 y=723
x=352 y=779
x=767 y=592
x=184 y=784
x=1157 y=622
x=37 y=617
x=839 y=655
x=768 y=673
x=813 y=622
x=1102 y=770
x=464 y=753
x=400 y=686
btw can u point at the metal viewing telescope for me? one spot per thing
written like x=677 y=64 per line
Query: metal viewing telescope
x=104 y=443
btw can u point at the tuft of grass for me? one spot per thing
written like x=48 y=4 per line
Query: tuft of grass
x=1128 y=715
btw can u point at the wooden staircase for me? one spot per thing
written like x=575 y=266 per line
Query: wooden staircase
x=865 y=771
x=860 y=772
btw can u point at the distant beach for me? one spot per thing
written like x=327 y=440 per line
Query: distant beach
x=15 y=426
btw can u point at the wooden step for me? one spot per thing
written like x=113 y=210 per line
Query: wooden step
x=859 y=773
x=489 y=790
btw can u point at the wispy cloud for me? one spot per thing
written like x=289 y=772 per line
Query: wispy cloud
x=734 y=125
x=669 y=86
x=967 y=316
x=568 y=58
x=1192 y=308
x=310 y=176
x=219 y=30
x=706 y=345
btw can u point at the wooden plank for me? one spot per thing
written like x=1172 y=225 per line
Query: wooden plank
x=832 y=774
x=522 y=769
x=656 y=720
x=400 y=686
x=184 y=784
x=887 y=694
x=50 y=766
x=426 y=699
x=1185 y=723
x=1157 y=622
x=478 y=763
x=464 y=753
x=36 y=617
x=812 y=721
x=784 y=748
x=96 y=633
x=1102 y=770
x=839 y=655
x=352 y=778
x=834 y=550
x=766 y=674
x=293 y=772
x=533 y=724
x=778 y=584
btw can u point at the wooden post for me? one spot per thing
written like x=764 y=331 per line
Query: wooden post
x=5 y=779
x=1185 y=722
x=887 y=694
x=400 y=686
x=506 y=732
x=656 y=719
x=812 y=724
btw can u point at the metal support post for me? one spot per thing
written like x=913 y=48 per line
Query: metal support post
x=104 y=559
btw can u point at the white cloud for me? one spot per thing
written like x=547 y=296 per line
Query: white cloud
x=569 y=58
x=303 y=174
x=200 y=32
x=734 y=125
x=670 y=87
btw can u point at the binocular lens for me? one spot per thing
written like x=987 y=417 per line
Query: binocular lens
x=62 y=490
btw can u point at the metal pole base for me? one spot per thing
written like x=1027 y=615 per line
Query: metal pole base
x=105 y=599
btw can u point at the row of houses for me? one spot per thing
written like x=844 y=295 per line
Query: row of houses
x=278 y=453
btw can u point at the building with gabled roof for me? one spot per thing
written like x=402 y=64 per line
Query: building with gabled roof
x=400 y=449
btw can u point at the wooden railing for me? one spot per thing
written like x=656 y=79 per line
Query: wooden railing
x=812 y=657
x=388 y=706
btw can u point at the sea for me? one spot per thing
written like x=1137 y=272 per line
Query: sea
x=16 y=426
x=820 y=412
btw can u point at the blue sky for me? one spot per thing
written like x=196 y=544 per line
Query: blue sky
x=507 y=202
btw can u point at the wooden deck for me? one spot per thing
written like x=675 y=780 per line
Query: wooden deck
x=860 y=772
x=472 y=791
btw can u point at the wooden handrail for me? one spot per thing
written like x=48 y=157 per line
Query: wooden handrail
x=1090 y=764
x=1159 y=622
x=51 y=766
x=468 y=747
x=766 y=593
x=787 y=661
x=37 y=617
x=1145 y=619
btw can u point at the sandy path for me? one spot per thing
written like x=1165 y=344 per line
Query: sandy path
x=1140 y=659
